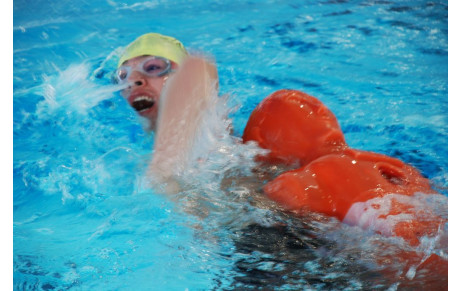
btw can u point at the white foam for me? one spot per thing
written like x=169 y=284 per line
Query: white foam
x=374 y=215
x=73 y=91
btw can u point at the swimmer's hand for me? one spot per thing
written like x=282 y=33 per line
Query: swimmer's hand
x=187 y=94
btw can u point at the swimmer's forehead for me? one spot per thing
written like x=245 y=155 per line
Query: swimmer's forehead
x=154 y=44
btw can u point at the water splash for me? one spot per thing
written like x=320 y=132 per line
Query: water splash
x=374 y=213
x=72 y=91
x=84 y=139
x=211 y=169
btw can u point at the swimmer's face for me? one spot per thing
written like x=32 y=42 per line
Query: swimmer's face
x=143 y=91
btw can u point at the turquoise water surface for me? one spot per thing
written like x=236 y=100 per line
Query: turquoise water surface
x=83 y=217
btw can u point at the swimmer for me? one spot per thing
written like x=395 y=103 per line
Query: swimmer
x=166 y=86
x=171 y=89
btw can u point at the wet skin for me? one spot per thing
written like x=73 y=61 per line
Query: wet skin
x=143 y=92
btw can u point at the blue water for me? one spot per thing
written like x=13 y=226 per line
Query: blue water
x=83 y=217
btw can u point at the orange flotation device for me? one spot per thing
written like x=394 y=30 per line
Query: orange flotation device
x=332 y=184
x=296 y=127
x=300 y=130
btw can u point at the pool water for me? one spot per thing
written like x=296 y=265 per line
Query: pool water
x=84 y=218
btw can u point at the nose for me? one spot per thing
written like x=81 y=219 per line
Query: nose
x=137 y=79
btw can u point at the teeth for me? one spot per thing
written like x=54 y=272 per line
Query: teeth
x=142 y=103
x=141 y=98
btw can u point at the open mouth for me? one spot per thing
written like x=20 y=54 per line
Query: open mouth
x=143 y=103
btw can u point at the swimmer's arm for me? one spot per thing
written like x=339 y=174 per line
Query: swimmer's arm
x=185 y=96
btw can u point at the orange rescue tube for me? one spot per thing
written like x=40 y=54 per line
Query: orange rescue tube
x=296 y=127
x=365 y=189
x=333 y=183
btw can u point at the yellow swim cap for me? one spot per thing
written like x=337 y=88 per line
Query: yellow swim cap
x=154 y=44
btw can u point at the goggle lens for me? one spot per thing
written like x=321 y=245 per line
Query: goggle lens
x=152 y=67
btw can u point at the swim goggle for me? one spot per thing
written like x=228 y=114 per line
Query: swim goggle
x=152 y=67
